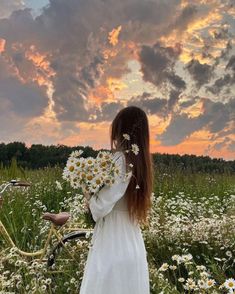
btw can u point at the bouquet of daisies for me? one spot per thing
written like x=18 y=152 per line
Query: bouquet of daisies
x=91 y=174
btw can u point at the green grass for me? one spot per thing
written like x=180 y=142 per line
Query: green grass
x=180 y=199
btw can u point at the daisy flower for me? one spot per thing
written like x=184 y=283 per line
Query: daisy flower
x=229 y=284
x=89 y=177
x=90 y=161
x=135 y=148
x=76 y=153
x=190 y=284
x=210 y=283
x=126 y=136
x=187 y=257
x=58 y=185
x=164 y=267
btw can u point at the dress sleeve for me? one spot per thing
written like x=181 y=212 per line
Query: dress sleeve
x=103 y=202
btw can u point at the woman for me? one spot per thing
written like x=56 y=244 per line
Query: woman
x=117 y=259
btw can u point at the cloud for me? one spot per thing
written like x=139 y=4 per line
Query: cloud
x=66 y=56
x=186 y=16
x=113 y=35
x=76 y=47
x=8 y=6
x=25 y=100
x=157 y=106
x=157 y=65
x=191 y=101
x=226 y=81
x=109 y=111
x=231 y=63
x=216 y=116
x=222 y=144
x=231 y=146
x=173 y=99
x=201 y=73
x=220 y=83
x=181 y=126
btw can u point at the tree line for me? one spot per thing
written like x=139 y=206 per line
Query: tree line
x=39 y=156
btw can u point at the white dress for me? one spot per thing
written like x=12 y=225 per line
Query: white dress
x=117 y=258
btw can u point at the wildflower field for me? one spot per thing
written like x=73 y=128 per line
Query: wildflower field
x=190 y=241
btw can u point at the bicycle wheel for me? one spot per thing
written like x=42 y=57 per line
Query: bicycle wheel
x=67 y=259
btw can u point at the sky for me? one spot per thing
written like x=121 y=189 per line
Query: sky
x=68 y=66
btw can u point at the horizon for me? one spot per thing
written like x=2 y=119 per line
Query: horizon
x=155 y=152
x=68 y=67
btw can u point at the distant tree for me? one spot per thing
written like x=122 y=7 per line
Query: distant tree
x=38 y=156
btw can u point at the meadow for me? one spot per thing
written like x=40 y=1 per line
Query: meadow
x=190 y=239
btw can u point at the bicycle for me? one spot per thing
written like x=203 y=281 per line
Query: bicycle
x=57 y=229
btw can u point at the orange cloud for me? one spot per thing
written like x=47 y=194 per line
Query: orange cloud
x=113 y=36
x=90 y=134
x=115 y=84
x=194 y=110
x=107 y=53
x=192 y=38
x=40 y=61
x=2 y=45
x=99 y=95
x=196 y=144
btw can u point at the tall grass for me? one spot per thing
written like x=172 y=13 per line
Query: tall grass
x=184 y=204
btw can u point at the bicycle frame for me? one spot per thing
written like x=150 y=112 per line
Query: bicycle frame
x=53 y=231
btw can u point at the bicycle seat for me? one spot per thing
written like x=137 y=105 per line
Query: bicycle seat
x=58 y=219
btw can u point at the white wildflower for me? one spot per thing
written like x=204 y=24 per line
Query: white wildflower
x=229 y=284
x=135 y=149
x=164 y=267
x=126 y=136
x=76 y=153
x=58 y=185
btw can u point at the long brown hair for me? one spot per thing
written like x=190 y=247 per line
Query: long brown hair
x=133 y=121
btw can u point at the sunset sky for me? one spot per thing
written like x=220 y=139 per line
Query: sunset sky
x=68 y=66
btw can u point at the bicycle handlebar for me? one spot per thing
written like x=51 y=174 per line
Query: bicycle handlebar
x=19 y=183
x=13 y=183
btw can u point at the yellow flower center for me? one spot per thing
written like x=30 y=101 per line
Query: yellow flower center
x=71 y=168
